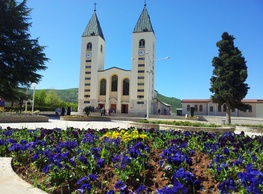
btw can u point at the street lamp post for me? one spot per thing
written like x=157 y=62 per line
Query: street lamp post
x=26 y=99
x=150 y=72
x=33 y=102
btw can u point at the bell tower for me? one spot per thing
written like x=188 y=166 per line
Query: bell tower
x=91 y=61
x=143 y=57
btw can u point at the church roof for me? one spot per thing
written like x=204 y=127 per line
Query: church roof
x=144 y=23
x=93 y=28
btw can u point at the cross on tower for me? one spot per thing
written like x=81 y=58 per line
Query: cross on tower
x=95 y=6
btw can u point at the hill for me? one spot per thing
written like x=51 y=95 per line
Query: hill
x=67 y=95
x=71 y=95
x=174 y=102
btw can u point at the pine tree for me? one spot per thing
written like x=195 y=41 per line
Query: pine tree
x=20 y=56
x=229 y=76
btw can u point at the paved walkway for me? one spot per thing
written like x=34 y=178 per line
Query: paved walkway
x=11 y=183
x=55 y=123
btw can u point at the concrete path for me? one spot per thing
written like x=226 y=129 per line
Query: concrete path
x=55 y=123
x=11 y=183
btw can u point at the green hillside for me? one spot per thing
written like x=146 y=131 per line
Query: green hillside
x=174 y=102
x=71 y=95
x=67 y=95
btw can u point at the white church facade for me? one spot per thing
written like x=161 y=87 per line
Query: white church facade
x=121 y=91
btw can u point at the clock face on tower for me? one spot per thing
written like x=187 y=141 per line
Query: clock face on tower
x=88 y=54
x=141 y=52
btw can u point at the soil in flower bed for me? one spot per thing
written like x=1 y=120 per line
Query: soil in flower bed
x=155 y=175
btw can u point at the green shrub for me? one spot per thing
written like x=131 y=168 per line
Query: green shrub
x=87 y=110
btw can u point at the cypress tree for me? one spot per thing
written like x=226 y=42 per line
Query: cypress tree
x=229 y=75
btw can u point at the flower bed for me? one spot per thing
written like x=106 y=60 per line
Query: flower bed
x=12 y=118
x=135 y=160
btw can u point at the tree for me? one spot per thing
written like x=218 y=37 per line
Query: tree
x=229 y=76
x=88 y=109
x=40 y=97
x=52 y=99
x=20 y=56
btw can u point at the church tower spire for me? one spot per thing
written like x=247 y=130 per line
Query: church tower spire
x=93 y=28
x=144 y=23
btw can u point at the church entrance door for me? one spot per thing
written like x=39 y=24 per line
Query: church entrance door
x=124 y=108
x=113 y=108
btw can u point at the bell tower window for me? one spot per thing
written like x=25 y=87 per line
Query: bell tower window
x=142 y=43
x=89 y=46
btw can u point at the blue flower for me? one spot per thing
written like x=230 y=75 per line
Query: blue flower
x=120 y=184
x=125 y=161
x=83 y=179
x=35 y=157
x=95 y=152
x=7 y=133
x=15 y=147
x=46 y=168
x=83 y=159
x=110 y=192
x=100 y=163
x=226 y=151
x=179 y=174
x=93 y=177
x=3 y=142
x=134 y=153
x=85 y=187
x=161 y=163
x=251 y=179
x=116 y=158
x=139 y=189
x=226 y=186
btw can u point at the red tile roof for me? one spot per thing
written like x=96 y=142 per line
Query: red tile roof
x=209 y=100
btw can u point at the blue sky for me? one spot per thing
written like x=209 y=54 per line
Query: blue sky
x=186 y=31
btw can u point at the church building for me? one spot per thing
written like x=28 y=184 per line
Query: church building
x=121 y=91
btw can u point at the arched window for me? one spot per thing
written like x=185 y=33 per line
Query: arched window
x=103 y=87
x=89 y=46
x=142 y=43
x=101 y=48
x=196 y=108
x=200 y=108
x=114 y=83
x=188 y=107
x=126 y=87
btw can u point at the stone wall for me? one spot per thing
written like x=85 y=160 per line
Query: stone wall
x=181 y=128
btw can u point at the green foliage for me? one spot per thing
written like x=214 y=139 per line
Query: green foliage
x=88 y=109
x=40 y=97
x=21 y=57
x=174 y=102
x=68 y=95
x=229 y=75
